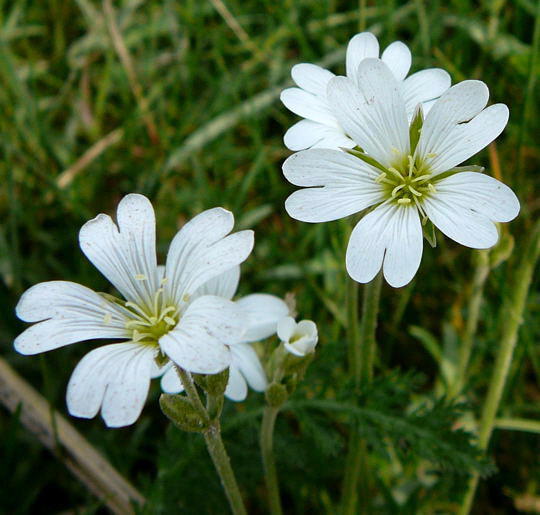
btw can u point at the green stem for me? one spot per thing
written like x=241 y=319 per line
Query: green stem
x=222 y=463
x=363 y=343
x=267 y=450
x=353 y=329
x=512 y=315
x=370 y=310
x=214 y=444
x=481 y=274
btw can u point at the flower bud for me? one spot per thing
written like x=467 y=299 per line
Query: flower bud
x=276 y=394
x=181 y=413
x=299 y=338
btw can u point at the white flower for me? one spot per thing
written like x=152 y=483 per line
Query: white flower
x=299 y=338
x=161 y=318
x=408 y=182
x=321 y=128
x=262 y=312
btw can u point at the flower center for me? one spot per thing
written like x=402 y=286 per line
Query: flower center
x=148 y=325
x=407 y=184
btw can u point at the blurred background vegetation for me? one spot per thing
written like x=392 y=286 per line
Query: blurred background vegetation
x=178 y=100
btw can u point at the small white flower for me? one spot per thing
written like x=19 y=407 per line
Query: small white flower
x=321 y=128
x=299 y=338
x=408 y=179
x=161 y=318
x=261 y=312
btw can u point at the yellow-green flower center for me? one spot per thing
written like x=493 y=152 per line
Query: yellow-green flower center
x=149 y=323
x=407 y=183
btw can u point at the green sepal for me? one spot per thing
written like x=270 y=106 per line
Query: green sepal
x=179 y=410
x=428 y=230
x=276 y=394
x=458 y=169
x=161 y=359
x=416 y=127
x=215 y=384
x=367 y=159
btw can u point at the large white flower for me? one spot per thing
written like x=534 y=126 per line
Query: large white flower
x=262 y=313
x=162 y=318
x=321 y=127
x=409 y=174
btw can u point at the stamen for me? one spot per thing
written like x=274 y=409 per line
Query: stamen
x=411 y=165
x=138 y=309
x=414 y=192
x=380 y=177
x=395 y=172
x=421 y=210
x=431 y=155
x=140 y=277
x=169 y=320
x=422 y=177
x=164 y=280
x=404 y=201
x=431 y=188
x=396 y=189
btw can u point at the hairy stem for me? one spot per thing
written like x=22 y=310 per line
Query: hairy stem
x=512 y=315
x=214 y=444
x=363 y=342
x=222 y=463
x=267 y=450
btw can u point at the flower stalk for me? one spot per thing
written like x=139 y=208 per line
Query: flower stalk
x=269 y=463
x=214 y=444
x=364 y=344
x=513 y=317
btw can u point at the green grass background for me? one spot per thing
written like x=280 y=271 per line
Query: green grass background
x=211 y=135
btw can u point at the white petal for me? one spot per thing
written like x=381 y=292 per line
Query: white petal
x=224 y=285
x=263 y=312
x=467 y=204
x=170 y=382
x=373 y=113
x=308 y=328
x=390 y=233
x=404 y=247
x=424 y=86
x=125 y=254
x=285 y=328
x=75 y=313
x=360 y=47
x=308 y=106
x=306 y=134
x=397 y=57
x=245 y=358
x=115 y=377
x=457 y=128
x=199 y=342
x=312 y=78
x=349 y=185
x=201 y=250
x=236 y=387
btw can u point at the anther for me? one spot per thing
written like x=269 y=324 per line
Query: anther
x=404 y=201
x=140 y=277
